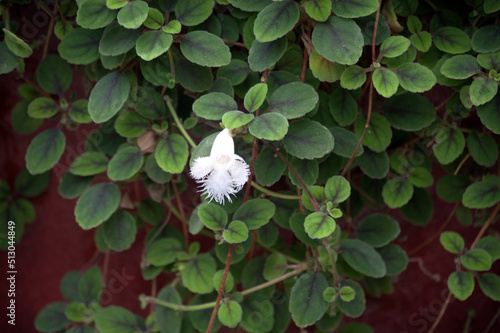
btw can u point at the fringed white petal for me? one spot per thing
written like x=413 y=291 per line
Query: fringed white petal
x=239 y=171
x=202 y=167
x=218 y=186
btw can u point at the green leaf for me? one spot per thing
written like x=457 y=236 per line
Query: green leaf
x=168 y=320
x=374 y=165
x=52 y=318
x=415 y=77
x=198 y=273
x=115 y=319
x=491 y=6
x=337 y=189
x=237 y=71
x=297 y=226
x=345 y=142
x=120 y=230
x=293 y=100
x=45 y=151
x=172 y=27
x=477 y=260
x=347 y=294
x=29 y=185
x=150 y=104
x=420 y=177
x=323 y=69
x=205 y=49
x=450 y=143
x=483 y=194
x=363 y=258
x=307 y=139
x=53 y=74
x=96 y=205
x=355 y=307
x=452 y=241
x=268 y=167
x=262 y=56
x=275 y=266
x=422 y=41
x=461 y=284
x=21 y=210
x=133 y=14
x=395 y=259
x=230 y=314
x=236 y=232
x=151 y=211
x=385 y=82
x=8 y=60
x=307 y=169
x=257 y=306
x=255 y=213
x=490 y=285
x=452 y=40
x=343 y=107
x=163 y=251
x=319 y=225
x=460 y=67
x=61 y=29
x=394 y=46
x=193 y=12
x=172 y=153
x=212 y=106
x=318 y=10
x=234 y=119
x=153 y=44
x=489 y=115
x=79 y=111
x=108 y=96
x=353 y=77
x=250 y=6
x=354 y=8
x=397 y=192
x=409 y=112
x=275 y=20
x=42 y=107
x=214 y=217
x=131 y=124
x=307 y=305
x=93 y=14
x=72 y=186
x=338 y=40
x=483 y=149
x=483 y=90
x=269 y=126
x=155 y=20
x=489 y=60
x=89 y=164
x=116 y=4
x=118 y=40
x=16 y=44
x=451 y=187
x=76 y=312
x=377 y=230
x=125 y=164
x=80 y=46
x=90 y=286
x=486 y=39
x=217 y=281
x=255 y=96
x=154 y=172
x=379 y=133
x=490 y=244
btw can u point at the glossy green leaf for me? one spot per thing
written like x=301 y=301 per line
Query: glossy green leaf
x=490 y=285
x=131 y=124
x=268 y=167
x=52 y=318
x=108 y=96
x=486 y=39
x=343 y=107
x=452 y=241
x=72 y=186
x=234 y=119
x=460 y=67
x=353 y=77
x=205 y=49
x=307 y=305
x=16 y=45
x=451 y=40
x=45 y=151
x=345 y=142
x=395 y=259
x=275 y=20
x=374 y=165
x=483 y=194
x=168 y=320
x=483 y=149
x=415 y=77
x=461 y=284
x=338 y=40
x=214 y=217
x=409 y=112
x=397 y=192
x=269 y=126
x=337 y=189
x=293 y=100
x=482 y=90
x=118 y=40
x=93 y=14
x=385 y=82
x=198 y=273
x=236 y=232
x=255 y=96
x=212 y=106
x=319 y=225
x=318 y=10
x=172 y=153
x=80 y=46
x=96 y=205
x=115 y=319
x=354 y=8
x=307 y=139
x=379 y=133
x=255 y=213
x=163 y=251
x=193 y=12
x=89 y=164
x=363 y=258
x=125 y=164
x=153 y=44
x=377 y=230
x=53 y=74
x=394 y=46
x=42 y=107
x=133 y=14
x=355 y=307
x=120 y=230
x=450 y=143
x=230 y=314
x=477 y=260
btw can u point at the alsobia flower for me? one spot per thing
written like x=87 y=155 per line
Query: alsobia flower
x=223 y=173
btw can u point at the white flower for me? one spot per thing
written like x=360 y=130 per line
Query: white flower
x=223 y=172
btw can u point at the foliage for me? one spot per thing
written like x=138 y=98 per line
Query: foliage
x=327 y=100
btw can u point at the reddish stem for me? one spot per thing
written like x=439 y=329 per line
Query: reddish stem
x=181 y=209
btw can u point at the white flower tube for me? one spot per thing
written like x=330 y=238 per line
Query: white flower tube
x=223 y=172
